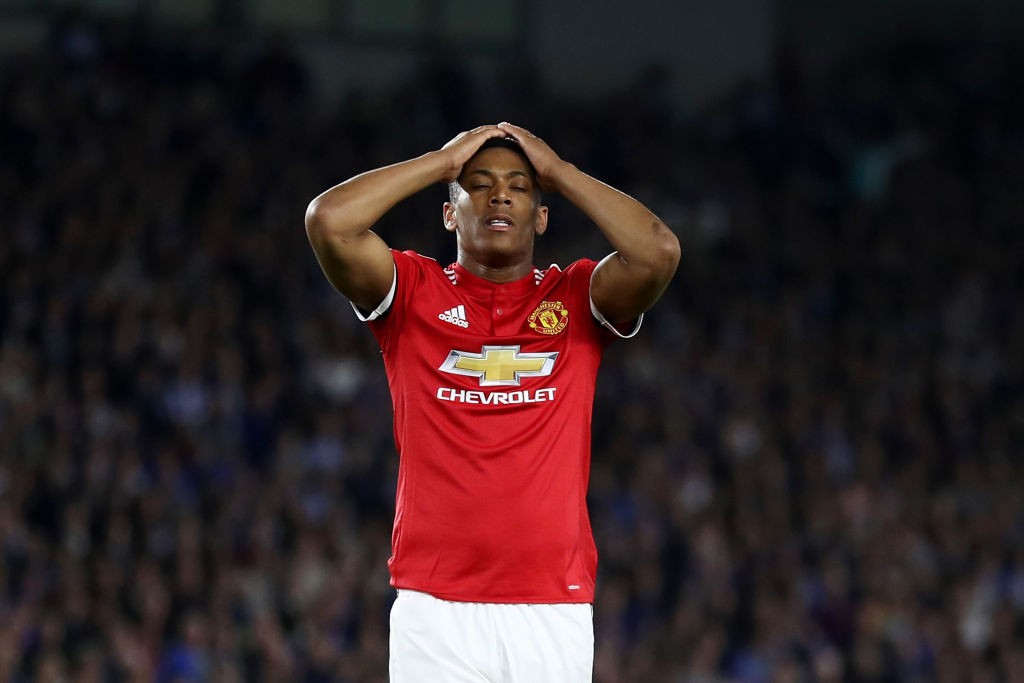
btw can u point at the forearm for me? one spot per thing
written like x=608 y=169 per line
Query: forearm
x=338 y=222
x=641 y=239
x=351 y=208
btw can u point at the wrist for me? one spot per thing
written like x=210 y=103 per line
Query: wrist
x=441 y=166
x=556 y=178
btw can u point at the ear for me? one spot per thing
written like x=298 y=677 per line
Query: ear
x=449 y=217
x=542 y=220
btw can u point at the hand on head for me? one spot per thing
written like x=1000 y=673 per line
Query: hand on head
x=463 y=146
x=544 y=159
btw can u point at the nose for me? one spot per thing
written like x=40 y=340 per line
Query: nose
x=500 y=195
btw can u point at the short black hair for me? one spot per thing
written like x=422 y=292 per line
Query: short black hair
x=507 y=143
x=500 y=143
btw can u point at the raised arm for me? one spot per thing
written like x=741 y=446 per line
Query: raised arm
x=355 y=260
x=628 y=281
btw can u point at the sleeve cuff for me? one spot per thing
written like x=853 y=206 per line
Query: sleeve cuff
x=614 y=330
x=384 y=305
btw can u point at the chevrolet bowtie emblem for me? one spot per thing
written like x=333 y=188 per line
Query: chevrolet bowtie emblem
x=499 y=365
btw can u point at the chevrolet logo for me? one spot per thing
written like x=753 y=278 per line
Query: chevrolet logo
x=499 y=365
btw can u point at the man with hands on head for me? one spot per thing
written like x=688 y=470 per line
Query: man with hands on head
x=492 y=364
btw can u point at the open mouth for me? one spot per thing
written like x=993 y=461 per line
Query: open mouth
x=498 y=222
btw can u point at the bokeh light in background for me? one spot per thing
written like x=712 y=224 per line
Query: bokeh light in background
x=807 y=465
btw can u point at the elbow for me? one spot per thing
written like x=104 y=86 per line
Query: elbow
x=331 y=217
x=668 y=252
x=317 y=218
x=657 y=258
x=327 y=221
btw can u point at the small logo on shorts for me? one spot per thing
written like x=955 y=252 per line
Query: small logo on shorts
x=574 y=586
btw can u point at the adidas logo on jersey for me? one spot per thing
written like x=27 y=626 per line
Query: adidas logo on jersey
x=455 y=316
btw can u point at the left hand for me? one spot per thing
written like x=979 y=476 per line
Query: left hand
x=544 y=159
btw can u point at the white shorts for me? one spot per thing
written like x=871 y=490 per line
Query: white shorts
x=439 y=641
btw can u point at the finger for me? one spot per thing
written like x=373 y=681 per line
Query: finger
x=514 y=130
x=489 y=130
x=475 y=137
x=485 y=133
x=526 y=139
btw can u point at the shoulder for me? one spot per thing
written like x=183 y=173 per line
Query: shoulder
x=413 y=263
x=579 y=270
x=420 y=280
x=577 y=266
x=415 y=259
x=576 y=277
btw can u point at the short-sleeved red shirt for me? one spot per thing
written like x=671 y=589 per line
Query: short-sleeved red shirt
x=493 y=389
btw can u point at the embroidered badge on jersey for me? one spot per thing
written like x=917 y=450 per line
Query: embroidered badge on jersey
x=549 y=318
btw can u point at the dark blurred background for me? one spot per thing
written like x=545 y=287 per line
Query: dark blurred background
x=807 y=466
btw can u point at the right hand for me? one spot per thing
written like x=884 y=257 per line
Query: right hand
x=463 y=146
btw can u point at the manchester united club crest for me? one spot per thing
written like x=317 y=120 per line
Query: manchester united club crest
x=550 y=317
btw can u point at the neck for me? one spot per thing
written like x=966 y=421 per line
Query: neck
x=496 y=272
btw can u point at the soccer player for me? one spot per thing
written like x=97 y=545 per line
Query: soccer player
x=492 y=365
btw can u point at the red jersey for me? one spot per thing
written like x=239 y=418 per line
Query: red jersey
x=493 y=389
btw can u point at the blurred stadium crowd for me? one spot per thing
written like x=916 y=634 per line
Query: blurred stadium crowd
x=807 y=466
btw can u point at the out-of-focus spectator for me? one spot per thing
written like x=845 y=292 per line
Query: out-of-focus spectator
x=820 y=482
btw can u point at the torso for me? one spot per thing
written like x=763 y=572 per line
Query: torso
x=493 y=388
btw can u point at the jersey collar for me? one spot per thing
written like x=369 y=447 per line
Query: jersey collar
x=474 y=283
